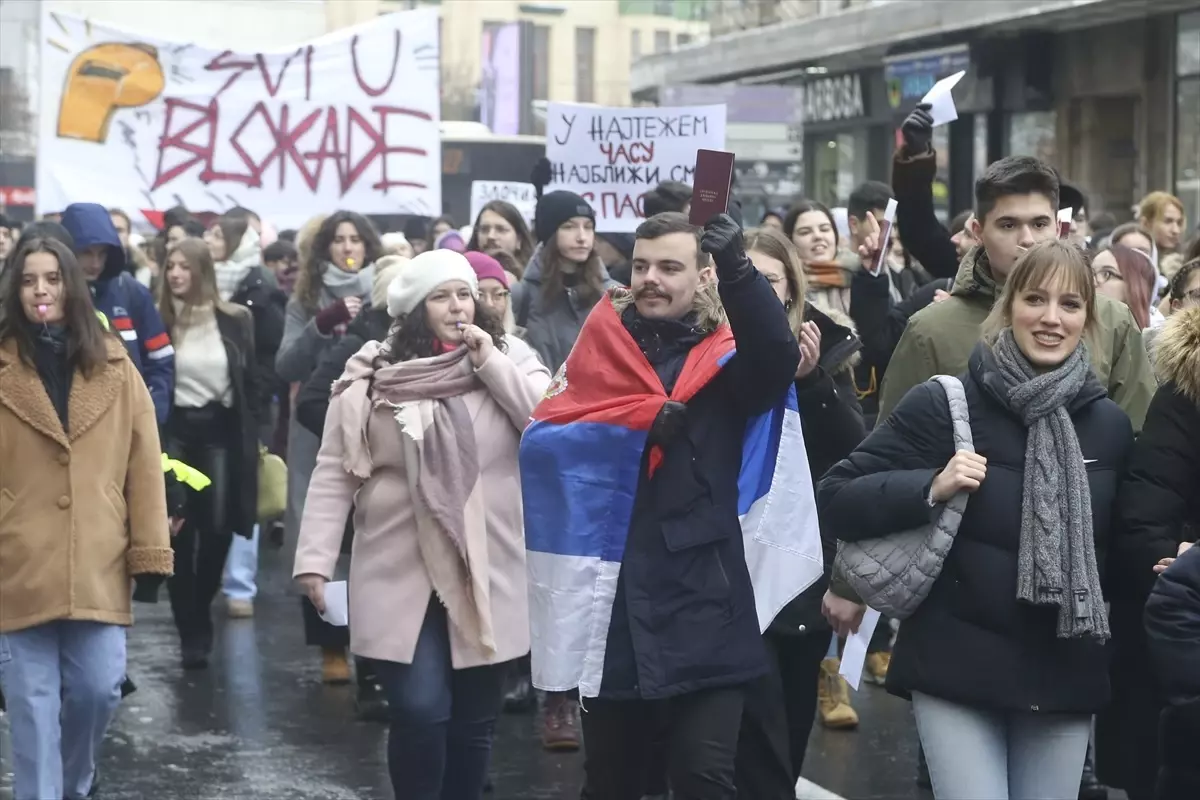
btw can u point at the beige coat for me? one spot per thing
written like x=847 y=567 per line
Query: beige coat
x=80 y=512
x=389 y=585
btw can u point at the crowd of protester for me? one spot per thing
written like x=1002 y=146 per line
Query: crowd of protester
x=145 y=380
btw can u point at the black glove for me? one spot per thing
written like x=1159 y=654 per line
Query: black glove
x=722 y=239
x=128 y=687
x=145 y=588
x=670 y=422
x=917 y=130
x=541 y=174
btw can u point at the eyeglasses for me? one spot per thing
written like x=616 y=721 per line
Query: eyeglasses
x=496 y=296
x=1106 y=274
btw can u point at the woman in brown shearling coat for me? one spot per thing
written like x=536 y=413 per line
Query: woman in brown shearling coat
x=82 y=511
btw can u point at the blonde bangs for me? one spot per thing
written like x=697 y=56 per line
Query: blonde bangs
x=1040 y=267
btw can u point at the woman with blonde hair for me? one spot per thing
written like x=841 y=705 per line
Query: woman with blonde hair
x=214 y=427
x=775 y=723
x=1163 y=215
x=1005 y=660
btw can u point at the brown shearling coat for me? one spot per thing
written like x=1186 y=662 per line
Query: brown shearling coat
x=83 y=511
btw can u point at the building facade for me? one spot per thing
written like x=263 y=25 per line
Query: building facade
x=1106 y=90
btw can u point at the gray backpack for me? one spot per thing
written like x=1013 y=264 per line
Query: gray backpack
x=893 y=574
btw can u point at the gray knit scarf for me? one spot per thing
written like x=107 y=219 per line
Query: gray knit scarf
x=1057 y=561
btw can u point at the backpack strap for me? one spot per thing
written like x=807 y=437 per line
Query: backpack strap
x=960 y=414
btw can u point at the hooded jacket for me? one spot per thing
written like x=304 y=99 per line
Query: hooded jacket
x=940 y=338
x=127 y=305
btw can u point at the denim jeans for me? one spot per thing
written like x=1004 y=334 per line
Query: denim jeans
x=241 y=568
x=442 y=719
x=975 y=754
x=62 y=681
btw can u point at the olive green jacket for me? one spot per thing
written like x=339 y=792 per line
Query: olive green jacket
x=939 y=340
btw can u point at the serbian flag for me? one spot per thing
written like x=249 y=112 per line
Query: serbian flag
x=580 y=460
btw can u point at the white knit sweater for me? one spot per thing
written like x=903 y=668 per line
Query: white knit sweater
x=201 y=364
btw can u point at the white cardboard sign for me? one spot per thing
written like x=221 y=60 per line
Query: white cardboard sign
x=349 y=120
x=613 y=156
x=521 y=195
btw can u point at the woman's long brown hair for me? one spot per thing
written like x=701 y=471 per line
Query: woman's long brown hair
x=202 y=293
x=591 y=273
x=86 y=338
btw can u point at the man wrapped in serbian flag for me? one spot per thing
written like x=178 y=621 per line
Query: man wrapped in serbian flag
x=669 y=512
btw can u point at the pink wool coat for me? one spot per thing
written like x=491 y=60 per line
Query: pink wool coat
x=389 y=585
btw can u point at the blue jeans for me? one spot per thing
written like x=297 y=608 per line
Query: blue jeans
x=975 y=754
x=442 y=719
x=62 y=681
x=241 y=568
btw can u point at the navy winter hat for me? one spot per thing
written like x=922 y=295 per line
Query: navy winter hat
x=555 y=208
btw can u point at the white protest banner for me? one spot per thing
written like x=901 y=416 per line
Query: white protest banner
x=349 y=120
x=521 y=195
x=613 y=156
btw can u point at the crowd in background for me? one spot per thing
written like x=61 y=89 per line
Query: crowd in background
x=242 y=343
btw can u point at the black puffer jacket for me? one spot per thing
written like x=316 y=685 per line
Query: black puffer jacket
x=971 y=642
x=312 y=401
x=1159 y=507
x=260 y=293
x=832 y=423
x=1173 y=628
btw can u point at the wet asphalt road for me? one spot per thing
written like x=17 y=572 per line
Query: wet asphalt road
x=260 y=724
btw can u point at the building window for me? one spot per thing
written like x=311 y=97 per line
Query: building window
x=1032 y=134
x=585 y=65
x=662 y=41
x=541 y=62
x=664 y=8
x=1187 y=116
x=682 y=38
x=635 y=45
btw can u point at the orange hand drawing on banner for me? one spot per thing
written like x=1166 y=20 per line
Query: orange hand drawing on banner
x=102 y=79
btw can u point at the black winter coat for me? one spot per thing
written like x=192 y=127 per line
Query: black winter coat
x=971 y=642
x=832 y=423
x=880 y=323
x=260 y=293
x=1159 y=508
x=312 y=401
x=684 y=617
x=1173 y=628
x=237 y=334
x=925 y=238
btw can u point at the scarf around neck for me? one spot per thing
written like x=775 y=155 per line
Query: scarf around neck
x=339 y=283
x=234 y=269
x=1057 y=559
x=441 y=466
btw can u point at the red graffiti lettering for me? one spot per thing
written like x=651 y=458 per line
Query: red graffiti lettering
x=262 y=68
x=362 y=84
x=286 y=136
x=220 y=64
x=633 y=153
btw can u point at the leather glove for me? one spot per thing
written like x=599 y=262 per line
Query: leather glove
x=541 y=174
x=145 y=588
x=722 y=239
x=917 y=130
x=669 y=424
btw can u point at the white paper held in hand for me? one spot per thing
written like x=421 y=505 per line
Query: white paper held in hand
x=337 y=604
x=885 y=235
x=854 y=654
x=942 y=100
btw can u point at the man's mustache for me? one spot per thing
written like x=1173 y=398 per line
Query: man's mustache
x=650 y=292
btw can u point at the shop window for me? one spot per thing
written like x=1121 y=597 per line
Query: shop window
x=1187 y=53
x=839 y=165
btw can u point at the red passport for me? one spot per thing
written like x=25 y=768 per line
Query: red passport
x=711 y=185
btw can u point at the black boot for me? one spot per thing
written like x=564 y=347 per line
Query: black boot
x=520 y=697
x=1089 y=787
x=370 y=704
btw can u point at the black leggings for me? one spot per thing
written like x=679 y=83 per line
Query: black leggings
x=201 y=438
